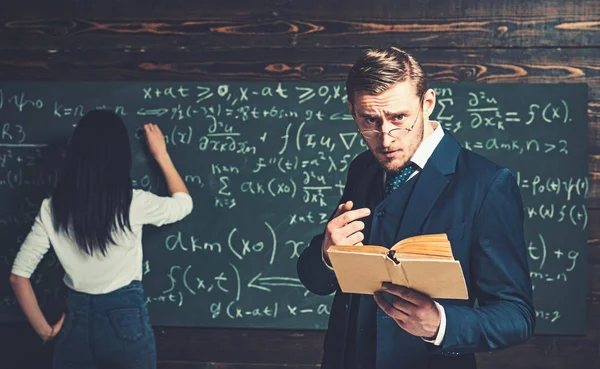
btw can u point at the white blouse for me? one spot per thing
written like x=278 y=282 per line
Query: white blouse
x=122 y=264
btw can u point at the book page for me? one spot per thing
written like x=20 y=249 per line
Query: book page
x=436 y=278
x=359 y=273
x=397 y=275
x=435 y=245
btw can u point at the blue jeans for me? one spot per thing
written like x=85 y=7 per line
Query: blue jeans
x=106 y=331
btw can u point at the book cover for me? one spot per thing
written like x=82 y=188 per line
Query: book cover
x=424 y=263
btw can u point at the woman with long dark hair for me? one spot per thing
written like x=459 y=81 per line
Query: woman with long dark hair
x=94 y=221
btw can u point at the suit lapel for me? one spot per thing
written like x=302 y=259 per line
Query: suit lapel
x=367 y=187
x=430 y=184
x=369 y=193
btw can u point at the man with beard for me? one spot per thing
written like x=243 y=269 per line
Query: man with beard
x=416 y=179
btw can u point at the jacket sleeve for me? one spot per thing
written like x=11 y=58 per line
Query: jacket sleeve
x=316 y=276
x=500 y=275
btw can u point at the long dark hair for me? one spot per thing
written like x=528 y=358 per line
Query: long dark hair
x=93 y=194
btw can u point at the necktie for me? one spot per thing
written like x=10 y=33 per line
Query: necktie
x=397 y=179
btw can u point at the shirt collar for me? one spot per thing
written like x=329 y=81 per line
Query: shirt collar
x=427 y=146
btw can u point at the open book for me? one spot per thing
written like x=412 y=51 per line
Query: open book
x=424 y=263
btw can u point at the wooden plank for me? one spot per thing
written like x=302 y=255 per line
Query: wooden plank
x=449 y=65
x=190 y=365
x=594 y=129
x=594 y=295
x=239 y=345
x=194 y=26
x=242 y=32
x=593 y=196
x=539 y=352
x=594 y=245
x=175 y=9
x=542 y=350
x=547 y=353
x=593 y=231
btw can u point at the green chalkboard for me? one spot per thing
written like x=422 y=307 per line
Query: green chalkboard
x=266 y=164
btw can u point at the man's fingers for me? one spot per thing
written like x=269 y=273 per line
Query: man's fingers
x=403 y=305
x=342 y=208
x=388 y=308
x=344 y=235
x=405 y=293
x=351 y=228
x=350 y=216
x=355 y=238
x=398 y=302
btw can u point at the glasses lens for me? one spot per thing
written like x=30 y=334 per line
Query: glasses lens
x=398 y=132
x=370 y=134
x=395 y=133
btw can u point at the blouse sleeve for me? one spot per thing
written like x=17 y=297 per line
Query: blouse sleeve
x=33 y=249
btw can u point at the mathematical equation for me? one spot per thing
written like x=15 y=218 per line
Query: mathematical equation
x=266 y=164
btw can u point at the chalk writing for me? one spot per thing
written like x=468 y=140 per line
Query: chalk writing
x=266 y=164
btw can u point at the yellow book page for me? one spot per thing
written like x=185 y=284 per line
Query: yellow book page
x=432 y=245
x=359 y=272
x=436 y=278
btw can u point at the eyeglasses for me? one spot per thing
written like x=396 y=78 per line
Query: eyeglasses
x=395 y=133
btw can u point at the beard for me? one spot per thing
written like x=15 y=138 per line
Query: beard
x=399 y=152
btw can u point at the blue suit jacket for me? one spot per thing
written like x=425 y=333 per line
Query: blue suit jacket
x=478 y=204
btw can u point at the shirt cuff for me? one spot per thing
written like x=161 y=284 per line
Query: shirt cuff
x=442 y=331
x=324 y=262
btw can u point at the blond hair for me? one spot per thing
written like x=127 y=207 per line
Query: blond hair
x=378 y=69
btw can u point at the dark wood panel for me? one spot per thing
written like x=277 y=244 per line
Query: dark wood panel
x=548 y=352
x=539 y=352
x=309 y=40
x=594 y=250
x=344 y=8
x=284 y=32
x=172 y=26
x=594 y=127
x=551 y=353
x=179 y=365
x=450 y=65
x=239 y=345
x=348 y=9
x=593 y=231
x=594 y=294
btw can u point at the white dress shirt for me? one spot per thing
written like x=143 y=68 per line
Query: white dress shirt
x=122 y=264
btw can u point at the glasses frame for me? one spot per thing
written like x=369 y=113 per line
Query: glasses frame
x=398 y=129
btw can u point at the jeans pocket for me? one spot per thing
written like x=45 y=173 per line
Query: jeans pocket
x=128 y=324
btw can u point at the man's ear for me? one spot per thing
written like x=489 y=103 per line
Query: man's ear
x=351 y=108
x=428 y=102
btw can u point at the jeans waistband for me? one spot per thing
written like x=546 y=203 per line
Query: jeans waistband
x=133 y=286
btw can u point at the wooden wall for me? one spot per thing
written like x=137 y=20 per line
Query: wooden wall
x=487 y=41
